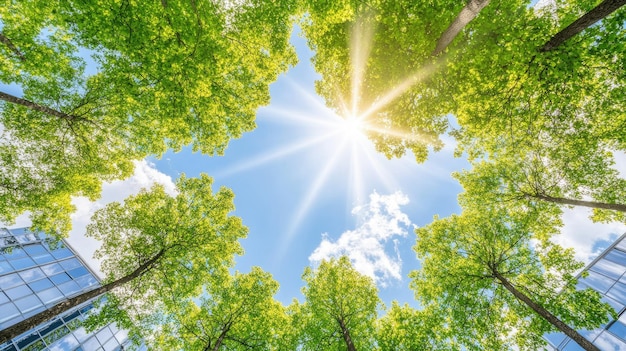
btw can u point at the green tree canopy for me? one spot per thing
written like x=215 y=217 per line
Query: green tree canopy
x=340 y=308
x=160 y=76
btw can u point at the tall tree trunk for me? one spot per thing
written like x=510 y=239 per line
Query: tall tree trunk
x=591 y=204
x=6 y=41
x=31 y=322
x=467 y=14
x=604 y=9
x=220 y=339
x=34 y=106
x=545 y=314
x=345 y=333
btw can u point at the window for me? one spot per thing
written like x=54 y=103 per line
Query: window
x=618 y=292
x=50 y=295
x=41 y=285
x=8 y=311
x=62 y=253
x=18 y=292
x=10 y=280
x=32 y=274
x=70 y=264
x=28 y=303
x=618 y=256
x=21 y=263
x=78 y=272
x=609 y=268
x=60 y=278
x=597 y=282
x=69 y=288
x=52 y=269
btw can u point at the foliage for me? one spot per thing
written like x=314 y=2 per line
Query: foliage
x=463 y=258
x=238 y=313
x=160 y=76
x=192 y=235
x=339 y=301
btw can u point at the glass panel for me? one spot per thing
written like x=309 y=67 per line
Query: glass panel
x=36 y=346
x=618 y=256
x=5 y=267
x=26 y=238
x=32 y=274
x=41 y=285
x=104 y=335
x=14 y=252
x=10 y=280
x=86 y=281
x=50 y=327
x=77 y=272
x=18 y=292
x=609 y=268
x=81 y=334
x=68 y=343
x=7 y=241
x=60 y=278
x=9 y=347
x=28 y=303
x=618 y=292
x=62 y=253
x=56 y=334
x=35 y=250
x=44 y=258
x=572 y=346
x=608 y=342
x=50 y=295
x=111 y=345
x=52 y=269
x=8 y=311
x=621 y=245
x=70 y=264
x=122 y=336
x=597 y=282
x=69 y=288
x=22 y=263
x=3 y=298
x=616 y=305
x=91 y=344
x=618 y=329
x=27 y=340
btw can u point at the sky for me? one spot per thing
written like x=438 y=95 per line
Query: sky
x=310 y=188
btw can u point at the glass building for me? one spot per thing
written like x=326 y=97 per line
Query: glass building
x=35 y=274
x=605 y=275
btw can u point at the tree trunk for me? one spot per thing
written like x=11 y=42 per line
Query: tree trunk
x=220 y=339
x=604 y=9
x=467 y=14
x=545 y=314
x=31 y=322
x=345 y=333
x=34 y=106
x=591 y=204
x=6 y=41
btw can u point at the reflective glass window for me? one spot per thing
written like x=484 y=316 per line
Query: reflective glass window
x=21 y=263
x=41 y=259
x=35 y=249
x=18 y=292
x=27 y=340
x=10 y=280
x=3 y=298
x=32 y=274
x=62 y=253
x=67 y=343
x=41 y=285
x=121 y=336
x=26 y=238
x=28 y=303
x=72 y=316
x=14 y=252
x=618 y=256
x=86 y=281
x=5 y=267
x=110 y=345
x=78 y=272
x=572 y=346
x=56 y=334
x=9 y=347
x=618 y=329
x=7 y=241
x=70 y=264
x=50 y=295
x=618 y=292
x=621 y=245
x=69 y=288
x=104 y=334
x=38 y=345
x=81 y=334
x=598 y=282
x=91 y=344
x=50 y=327
x=60 y=278
x=617 y=306
x=609 y=268
x=52 y=269
x=8 y=311
x=606 y=341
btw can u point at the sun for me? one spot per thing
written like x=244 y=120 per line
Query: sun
x=352 y=126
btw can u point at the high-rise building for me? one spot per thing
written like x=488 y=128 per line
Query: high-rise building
x=37 y=273
x=606 y=274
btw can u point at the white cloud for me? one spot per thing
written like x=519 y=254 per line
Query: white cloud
x=145 y=176
x=583 y=235
x=381 y=220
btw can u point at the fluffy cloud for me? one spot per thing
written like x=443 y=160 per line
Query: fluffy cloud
x=367 y=246
x=144 y=177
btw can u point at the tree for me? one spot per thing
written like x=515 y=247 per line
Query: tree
x=404 y=328
x=161 y=76
x=339 y=309
x=485 y=277
x=238 y=313
x=155 y=246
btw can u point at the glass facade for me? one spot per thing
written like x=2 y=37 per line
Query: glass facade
x=35 y=274
x=605 y=275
